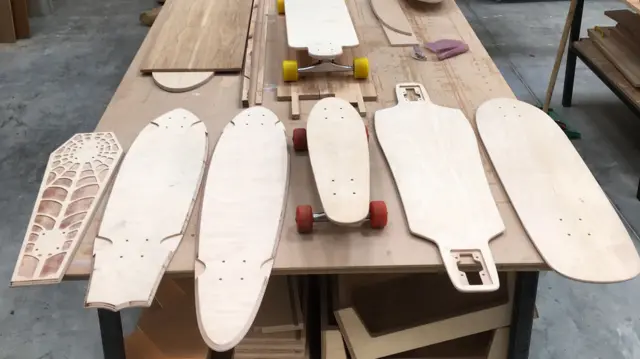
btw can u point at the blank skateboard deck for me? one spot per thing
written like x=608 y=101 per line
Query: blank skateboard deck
x=563 y=209
x=339 y=156
x=244 y=200
x=434 y=157
x=74 y=182
x=147 y=212
x=323 y=28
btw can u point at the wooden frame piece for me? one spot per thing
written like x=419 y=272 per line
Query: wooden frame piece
x=249 y=53
x=7 y=29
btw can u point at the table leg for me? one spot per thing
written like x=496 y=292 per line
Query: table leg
x=111 y=333
x=570 y=67
x=522 y=314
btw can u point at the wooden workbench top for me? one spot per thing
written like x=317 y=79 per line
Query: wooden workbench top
x=464 y=82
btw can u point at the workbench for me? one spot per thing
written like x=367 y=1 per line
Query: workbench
x=463 y=82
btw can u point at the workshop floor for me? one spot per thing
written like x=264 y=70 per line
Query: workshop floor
x=60 y=81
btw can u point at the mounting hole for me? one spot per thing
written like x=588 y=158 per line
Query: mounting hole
x=579 y=219
x=223 y=261
x=244 y=261
x=354 y=193
x=219 y=278
x=142 y=256
x=334 y=193
x=241 y=278
x=569 y=234
x=560 y=219
x=120 y=256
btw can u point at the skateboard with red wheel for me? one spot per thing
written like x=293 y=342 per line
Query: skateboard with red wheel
x=337 y=142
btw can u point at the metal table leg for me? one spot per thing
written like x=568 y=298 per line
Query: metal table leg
x=570 y=70
x=111 y=333
x=522 y=314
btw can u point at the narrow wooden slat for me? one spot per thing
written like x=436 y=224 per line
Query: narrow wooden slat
x=7 y=31
x=20 y=18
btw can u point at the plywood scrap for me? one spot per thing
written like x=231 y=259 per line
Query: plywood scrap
x=200 y=35
x=75 y=180
x=249 y=53
x=627 y=20
x=332 y=344
x=391 y=16
x=499 y=344
x=7 y=29
x=621 y=56
x=470 y=347
x=180 y=81
x=282 y=309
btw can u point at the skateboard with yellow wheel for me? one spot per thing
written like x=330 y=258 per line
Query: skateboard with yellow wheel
x=323 y=28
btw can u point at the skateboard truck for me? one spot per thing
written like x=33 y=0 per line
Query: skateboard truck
x=291 y=71
x=305 y=217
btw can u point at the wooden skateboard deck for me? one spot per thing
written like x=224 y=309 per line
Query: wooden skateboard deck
x=434 y=158
x=323 y=28
x=563 y=209
x=244 y=200
x=73 y=185
x=339 y=156
x=147 y=212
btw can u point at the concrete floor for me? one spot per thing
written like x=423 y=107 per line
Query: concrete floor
x=60 y=81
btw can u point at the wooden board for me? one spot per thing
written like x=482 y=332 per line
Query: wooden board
x=20 y=18
x=339 y=156
x=634 y=4
x=435 y=161
x=242 y=210
x=180 y=81
x=573 y=225
x=281 y=309
x=323 y=28
x=200 y=35
x=74 y=182
x=628 y=20
x=621 y=56
x=146 y=214
x=391 y=16
x=7 y=30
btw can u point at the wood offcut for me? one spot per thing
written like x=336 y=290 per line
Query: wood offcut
x=620 y=54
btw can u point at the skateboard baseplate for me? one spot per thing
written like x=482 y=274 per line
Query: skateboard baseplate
x=243 y=204
x=435 y=161
x=74 y=182
x=323 y=29
x=561 y=205
x=147 y=211
x=336 y=139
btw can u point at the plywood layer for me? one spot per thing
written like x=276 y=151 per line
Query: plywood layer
x=200 y=35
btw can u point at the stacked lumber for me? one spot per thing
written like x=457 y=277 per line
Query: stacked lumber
x=416 y=316
x=620 y=44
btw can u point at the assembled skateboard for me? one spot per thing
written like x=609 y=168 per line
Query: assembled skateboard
x=560 y=204
x=435 y=161
x=74 y=182
x=336 y=139
x=323 y=29
x=243 y=205
x=147 y=212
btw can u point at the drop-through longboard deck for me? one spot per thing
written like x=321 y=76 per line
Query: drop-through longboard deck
x=561 y=205
x=435 y=160
x=243 y=205
x=148 y=209
x=74 y=182
x=339 y=156
x=323 y=28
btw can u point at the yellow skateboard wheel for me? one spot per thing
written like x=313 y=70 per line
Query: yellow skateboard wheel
x=290 y=70
x=360 y=67
x=280 y=4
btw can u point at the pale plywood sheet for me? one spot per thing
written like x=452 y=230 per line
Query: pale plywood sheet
x=200 y=35
x=74 y=182
x=323 y=28
x=339 y=156
x=180 y=81
x=391 y=15
x=242 y=211
x=147 y=211
x=435 y=161
x=560 y=203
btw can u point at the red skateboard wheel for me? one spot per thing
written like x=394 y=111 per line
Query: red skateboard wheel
x=304 y=219
x=377 y=214
x=300 y=139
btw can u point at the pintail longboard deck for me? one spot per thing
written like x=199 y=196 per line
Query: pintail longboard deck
x=243 y=205
x=147 y=212
x=561 y=205
x=73 y=185
x=435 y=161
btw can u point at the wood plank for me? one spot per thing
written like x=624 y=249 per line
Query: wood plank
x=200 y=35
x=391 y=15
x=621 y=56
x=282 y=311
x=7 y=29
x=21 y=18
x=629 y=20
x=249 y=54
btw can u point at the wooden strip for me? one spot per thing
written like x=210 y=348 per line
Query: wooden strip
x=262 y=48
x=200 y=35
x=20 y=18
x=391 y=15
x=499 y=344
x=397 y=39
x=7 y=30
x=248 y=56
x=622 y=57
x=626 y=19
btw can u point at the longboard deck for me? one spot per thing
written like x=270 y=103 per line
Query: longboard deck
x=243 y=205
x=323 y=28
x=147 y=212
x=434 y=158
x=561 y=205
x=339 y=156
x=74 y=182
